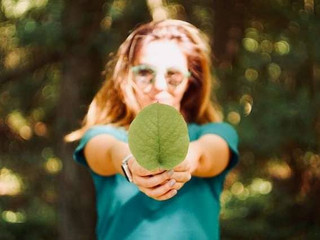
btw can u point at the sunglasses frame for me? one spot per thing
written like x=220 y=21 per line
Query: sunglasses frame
x=135 y=69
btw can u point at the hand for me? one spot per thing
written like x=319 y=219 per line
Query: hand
x=155 y=184
x=183 y=172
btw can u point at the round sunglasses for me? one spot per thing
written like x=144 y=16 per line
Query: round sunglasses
x=144 y=76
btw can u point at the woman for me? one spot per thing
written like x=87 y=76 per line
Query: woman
x=166 y=62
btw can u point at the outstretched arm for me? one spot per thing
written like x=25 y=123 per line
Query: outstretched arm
x=207 y=157
x=214 y=155
x=104 y=155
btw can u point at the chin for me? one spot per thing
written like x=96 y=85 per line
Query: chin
x=176 y=106
x=167 y=101
x=162 y=101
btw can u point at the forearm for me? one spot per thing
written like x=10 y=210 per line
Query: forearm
x=104 y=154
x=213 y=156
x=119 y=150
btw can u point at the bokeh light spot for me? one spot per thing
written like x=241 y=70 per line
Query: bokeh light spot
x=13 y=8
x=282 y=47
x=246 y=101
x=280 y=170
x=38 y=114
x=30 y=26
x=261 y=186
x=250 y=44
x=234 y=117
x=226 y=196
x=10 y=183
x=12 y=60
x=106 y=23
x=19 y=124
x=47 y=153
x=53 y=165
x=40 y=129
x=251 y=74
x=237 y=188
x=274 y=71
x=252 y=33
x=13 y=217
x=25 y=132
x=266 y=46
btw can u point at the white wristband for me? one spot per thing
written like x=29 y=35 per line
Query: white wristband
x=125 y=168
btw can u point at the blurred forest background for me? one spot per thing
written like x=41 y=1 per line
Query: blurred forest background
x=267 y=61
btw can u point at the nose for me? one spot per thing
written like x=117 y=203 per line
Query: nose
x=160 y=83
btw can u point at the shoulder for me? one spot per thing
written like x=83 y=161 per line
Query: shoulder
x=219 y=128
x=117 y=132
x=222 y=129
x=229 y=134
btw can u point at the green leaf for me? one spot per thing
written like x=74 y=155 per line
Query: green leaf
x=158 y=137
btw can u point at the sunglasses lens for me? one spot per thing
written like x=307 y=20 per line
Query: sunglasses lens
x=174 y=77
x=143 y=75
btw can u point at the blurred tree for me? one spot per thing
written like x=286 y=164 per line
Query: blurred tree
x=81 y=76
x=81 y=67
x=278 y=121
x=52 y=62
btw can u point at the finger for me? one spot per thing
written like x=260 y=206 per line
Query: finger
x=145 y=173
x=178 y=185
x=181 y=176
x=159 y=191
x=182 y=166
x=152 y=181
x=168 y=195
x=136 y=168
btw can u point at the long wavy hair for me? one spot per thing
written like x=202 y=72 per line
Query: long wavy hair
x=115 y=103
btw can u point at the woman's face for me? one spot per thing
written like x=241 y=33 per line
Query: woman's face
x=160 y=74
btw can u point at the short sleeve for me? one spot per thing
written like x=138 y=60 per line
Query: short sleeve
x=228 y=133
x=118 y=133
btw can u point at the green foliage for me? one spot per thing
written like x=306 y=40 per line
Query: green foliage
x=158 y=137
x=272 y=88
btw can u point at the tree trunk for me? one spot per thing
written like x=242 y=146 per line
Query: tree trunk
x=76 y=213
x=81 y=68
x=229 y=16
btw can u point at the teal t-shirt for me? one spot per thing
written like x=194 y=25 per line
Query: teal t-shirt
x=126 y=213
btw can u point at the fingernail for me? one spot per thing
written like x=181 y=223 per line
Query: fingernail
x=172 y=182
x=170 y=172
x=174 y=192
